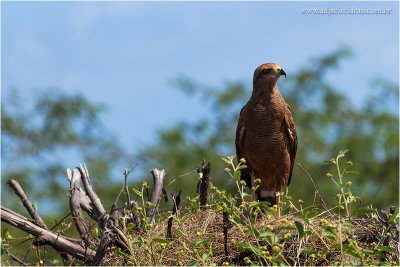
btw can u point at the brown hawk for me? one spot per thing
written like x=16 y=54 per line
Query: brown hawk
x=266 y=135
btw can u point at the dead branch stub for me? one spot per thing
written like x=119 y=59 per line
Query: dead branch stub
x=202 y=185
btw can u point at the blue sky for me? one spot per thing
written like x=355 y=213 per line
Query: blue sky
x=125 y=54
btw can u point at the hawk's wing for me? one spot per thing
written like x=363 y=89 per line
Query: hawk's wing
x=292 y=137
x=239 y=142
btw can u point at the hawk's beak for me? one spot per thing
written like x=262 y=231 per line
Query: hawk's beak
x=282 y=72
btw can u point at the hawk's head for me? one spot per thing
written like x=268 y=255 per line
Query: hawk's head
x=268 y=73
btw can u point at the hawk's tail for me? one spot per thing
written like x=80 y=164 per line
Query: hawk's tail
x=271 y=199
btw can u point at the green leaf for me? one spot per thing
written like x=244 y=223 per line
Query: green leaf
x=241 y=167
x=342 y=153
x=351 y=172
x=192 y=263
x=273 y=238
x=304 y=217
x=362 y=211
x=137 y=192
x=219 y=207
x=236 y=175
x=392 y=217
x=300 y=228
x=386 y=249
x=136 y=241
x=200 y=242
x=306 y=251
x=227 y=161
x=204 y=257
x=312 y=214
x=160 y=240
x=346 y=223
x=372 y=252
x=179 y=233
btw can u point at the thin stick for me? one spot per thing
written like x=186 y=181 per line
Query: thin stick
x=315 y=187
x=126 y=173
x=177 y=200
x=27 y=203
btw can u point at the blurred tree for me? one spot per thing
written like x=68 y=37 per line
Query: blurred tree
x=40 y=142
x=326 y=123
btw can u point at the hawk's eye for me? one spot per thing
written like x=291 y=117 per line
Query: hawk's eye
x=266 y=71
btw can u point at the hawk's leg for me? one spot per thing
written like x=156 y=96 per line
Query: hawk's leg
x=278 y=200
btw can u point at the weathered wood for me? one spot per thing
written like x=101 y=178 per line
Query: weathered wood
x=202 y=186
x=58 y=242
x=85 y=203
x=158 y=180
x=100 y=252
x=27 y=203
x=75 y=207
x=32 y=210
x=95 y=200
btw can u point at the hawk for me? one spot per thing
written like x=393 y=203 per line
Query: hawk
x=266 y=135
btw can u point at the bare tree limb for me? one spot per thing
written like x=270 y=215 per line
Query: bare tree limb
x=27 y=203
x=85 y=203
x=58 y=242
x=158 y=179
x=75 y=206
x=95 y=200
x=31 y=209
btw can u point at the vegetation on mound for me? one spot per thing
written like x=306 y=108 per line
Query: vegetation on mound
x=229 y=228
x=234 y=230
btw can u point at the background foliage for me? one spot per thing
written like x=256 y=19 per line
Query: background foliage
x=39 y=142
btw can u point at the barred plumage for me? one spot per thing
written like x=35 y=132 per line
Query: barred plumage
x=266 y=135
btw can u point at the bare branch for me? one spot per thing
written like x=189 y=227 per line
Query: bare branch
x=95 y=200
x=27 y=203
x=58 y=242
x=31 y=209
x=158 y=179
x=126 y=173
x=75 y=206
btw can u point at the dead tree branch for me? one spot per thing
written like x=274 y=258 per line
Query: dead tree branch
x=27 y=203
x=32 y=210
x=158 y=180
x=202 y=186
x=45 y=236
x=95 y=200
x=75 y=206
